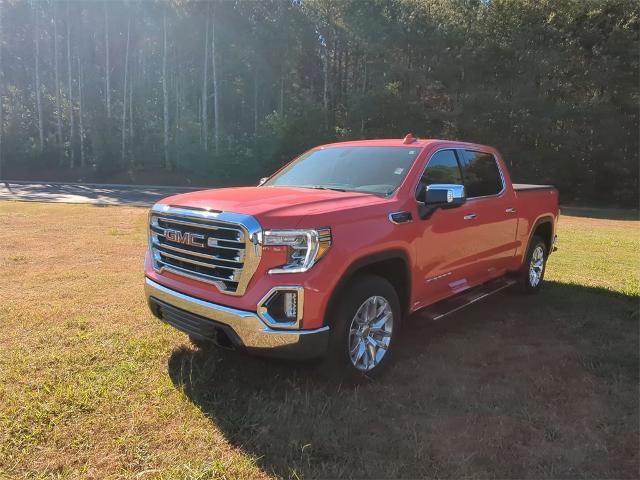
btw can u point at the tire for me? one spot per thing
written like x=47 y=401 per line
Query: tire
x=364 y=327
x=534 y=266
x=200 y=343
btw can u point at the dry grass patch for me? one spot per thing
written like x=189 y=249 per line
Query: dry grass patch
x=91 y=386
x=85 y=392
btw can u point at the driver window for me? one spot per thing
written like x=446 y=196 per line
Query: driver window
x=442 y=168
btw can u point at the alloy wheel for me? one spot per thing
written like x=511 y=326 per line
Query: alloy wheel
x=370 y=333
x=536 y=266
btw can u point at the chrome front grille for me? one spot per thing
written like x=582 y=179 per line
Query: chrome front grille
x=220 y=248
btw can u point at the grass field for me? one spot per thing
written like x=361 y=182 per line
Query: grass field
x=91 y=386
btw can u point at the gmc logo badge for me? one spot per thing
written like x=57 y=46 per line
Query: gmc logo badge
x=186 y=238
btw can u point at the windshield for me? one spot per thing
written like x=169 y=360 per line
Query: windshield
x=377 y=170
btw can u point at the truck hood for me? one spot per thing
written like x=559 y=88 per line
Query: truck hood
x=274 y=207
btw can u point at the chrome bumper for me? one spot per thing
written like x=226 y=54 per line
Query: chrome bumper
x=204 y=319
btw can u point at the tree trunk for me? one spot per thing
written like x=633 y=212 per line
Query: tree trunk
x=178 y=109
x=345 y=74
x=36 y=40
x=200 y=118
x=69 y=91
x=205 y=81
x=1 y=94
x=337 y=81
x=364 y=75
x=124 y=88
x=131 y=106
x=165 y=95
x=56 y=71
x=178 y=113
x=255 y=100
x=333 y=64
x=80 y=121
x=107 y=73
x=325 y=88
x=216 y=111
x=281 y=107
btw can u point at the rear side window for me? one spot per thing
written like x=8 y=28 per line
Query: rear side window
x=442 y=168
x=481 y=174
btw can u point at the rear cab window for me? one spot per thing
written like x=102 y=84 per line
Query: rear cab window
x=481 y=174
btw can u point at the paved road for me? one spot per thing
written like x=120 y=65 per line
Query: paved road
x=146 y=195
x=97 y=194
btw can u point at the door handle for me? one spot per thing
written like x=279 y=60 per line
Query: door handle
x=510 y=210
x=470 y=216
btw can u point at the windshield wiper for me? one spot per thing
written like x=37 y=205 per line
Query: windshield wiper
x=320 y=187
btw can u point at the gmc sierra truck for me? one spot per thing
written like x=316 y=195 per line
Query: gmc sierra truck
x=328 y=256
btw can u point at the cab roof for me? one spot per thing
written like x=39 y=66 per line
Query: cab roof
x=407 y=141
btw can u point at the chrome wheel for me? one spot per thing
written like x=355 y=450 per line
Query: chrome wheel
x=536 y=266
x=370 y=333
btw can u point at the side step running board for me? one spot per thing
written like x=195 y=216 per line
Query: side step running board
x=458 y=302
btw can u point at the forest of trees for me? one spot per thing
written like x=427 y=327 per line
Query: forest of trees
x=223 y=92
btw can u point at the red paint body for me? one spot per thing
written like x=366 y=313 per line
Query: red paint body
x=464 y=254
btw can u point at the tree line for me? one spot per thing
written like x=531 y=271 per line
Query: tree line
x=224 y=92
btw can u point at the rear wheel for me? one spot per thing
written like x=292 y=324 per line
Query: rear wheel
x=532 y=275
x=364 y=329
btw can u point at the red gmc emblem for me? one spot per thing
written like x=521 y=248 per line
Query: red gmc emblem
x=186 y=238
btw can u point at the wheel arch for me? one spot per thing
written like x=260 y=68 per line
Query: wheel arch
x=543 y=227
x=392 y=265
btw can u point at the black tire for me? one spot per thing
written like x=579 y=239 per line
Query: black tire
x=338 y=363
x=200 y=343
x=528 y=283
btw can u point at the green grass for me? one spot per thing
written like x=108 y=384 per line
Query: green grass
x=598 y=253
x=92 y=386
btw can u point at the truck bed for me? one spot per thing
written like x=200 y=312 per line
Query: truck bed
x=520 y=187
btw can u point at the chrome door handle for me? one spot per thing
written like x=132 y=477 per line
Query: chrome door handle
x=470 y=216
x=510 y=210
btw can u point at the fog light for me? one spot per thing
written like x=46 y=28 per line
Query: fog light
x=291 y=305
x=282 y=307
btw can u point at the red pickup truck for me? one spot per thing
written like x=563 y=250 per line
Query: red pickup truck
x=330 y=254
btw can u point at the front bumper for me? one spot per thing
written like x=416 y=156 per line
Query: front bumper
x=240 y=329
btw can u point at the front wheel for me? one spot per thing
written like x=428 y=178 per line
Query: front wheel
x=366 y=322
x=532 y=274
x=200 y=343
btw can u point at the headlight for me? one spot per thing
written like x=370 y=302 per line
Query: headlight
x=304 y=247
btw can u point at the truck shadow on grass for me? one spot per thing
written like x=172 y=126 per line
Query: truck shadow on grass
x=535 y=386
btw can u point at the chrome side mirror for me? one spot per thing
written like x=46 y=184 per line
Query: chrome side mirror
x=441 y=195
x=444 y=195
x=263 y=180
